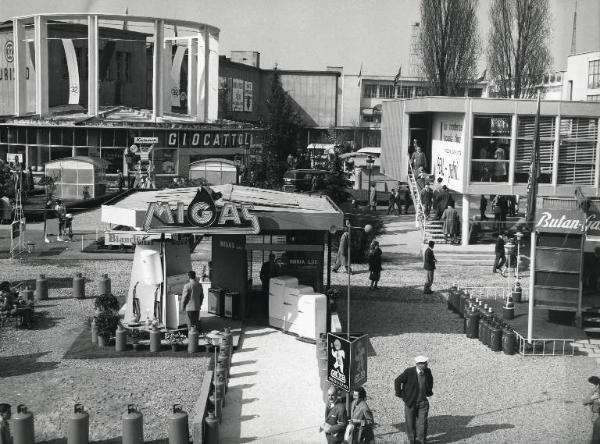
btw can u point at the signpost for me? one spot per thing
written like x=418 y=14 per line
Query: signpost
x=347 y=360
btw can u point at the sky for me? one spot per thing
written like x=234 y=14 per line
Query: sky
x=314 y=34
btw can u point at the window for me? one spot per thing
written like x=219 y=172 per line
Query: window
x=114 y=159
x=593 y=98
x=404 y=92
x=491 y=148
x=370 y=91
x=386 y=91
x=525 y=130
x=123 y=66
x=577 y=152
x=165 y=161
x=594 y=74
x=420 y=91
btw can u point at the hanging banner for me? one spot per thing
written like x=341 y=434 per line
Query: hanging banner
x=73 y=69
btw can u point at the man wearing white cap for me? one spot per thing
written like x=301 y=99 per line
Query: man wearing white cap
x=414 y=385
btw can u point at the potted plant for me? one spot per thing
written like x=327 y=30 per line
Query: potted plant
x=174 y=338
x=135 y=339
x=106 y=323
x=106 y=302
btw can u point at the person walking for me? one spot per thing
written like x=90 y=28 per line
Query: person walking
x=361 y=420
x=593 y=400
x=482 y=207
x=429 y=265
x=392 y=203
x=374 y=265
x=426 y=197
x=61 y=212
x=192 y=297
x=418 y=158
x=342 y=256
x=414 y=386
x=451 y=224
x=443 y=200
x=120 y=180
x=372 y=198
x=267 y=271
x=500 y=259
x=336 y=418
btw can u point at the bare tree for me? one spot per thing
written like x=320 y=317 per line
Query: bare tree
x=517 y=52
x=449 y=44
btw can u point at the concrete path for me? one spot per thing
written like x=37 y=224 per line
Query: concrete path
x=274 y=391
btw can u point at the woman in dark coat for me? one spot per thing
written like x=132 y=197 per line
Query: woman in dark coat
x=361 y=418
x=374 y=264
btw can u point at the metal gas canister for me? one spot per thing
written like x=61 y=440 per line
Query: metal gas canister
x=133 y=426
x=41 y=288
x=179 y=430
x=495 y=337
x=104 y=285
x=121 y=338
x=79 y=426
x=22 y=425
x=78 y=286
x=509 y=341
x=212 y=428
x=193 y=336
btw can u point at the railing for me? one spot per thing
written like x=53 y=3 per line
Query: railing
x=545 y=347
x=495 y=293
x=416 y=198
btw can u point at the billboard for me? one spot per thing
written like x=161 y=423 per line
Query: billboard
x=347 y=360
x=447 y=163
x=238 y=95
x=248 y=96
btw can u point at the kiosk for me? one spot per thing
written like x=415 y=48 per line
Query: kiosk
x=245 y=225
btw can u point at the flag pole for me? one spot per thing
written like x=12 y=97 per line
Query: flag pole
x=532 y=187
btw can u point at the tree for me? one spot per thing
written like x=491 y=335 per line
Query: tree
x=449 y=45
x=517 y=52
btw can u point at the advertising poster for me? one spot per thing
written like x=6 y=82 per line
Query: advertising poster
x=338 y=362
x=451 y=131
x=248 y=96
x=238 y=95
x=447 y=163
x=358 y=369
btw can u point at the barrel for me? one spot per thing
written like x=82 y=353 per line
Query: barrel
x=22 y=426
x=193 y=340
x=495 y=338
x=79 y=426
x=473 y=324
x=104 y=285
x=41 y=288
x=78 y=286
x=509 y=342
x=133 y=426
x=179 y=430
x=121 y=339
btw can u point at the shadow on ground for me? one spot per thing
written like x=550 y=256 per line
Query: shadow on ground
x=24 y=364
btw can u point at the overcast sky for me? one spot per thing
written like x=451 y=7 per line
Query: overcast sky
x=312 y=34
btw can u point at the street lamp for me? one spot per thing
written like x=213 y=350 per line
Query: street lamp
x=509 y=247
x=214 y=338
x=370 y=161
x=519 y=236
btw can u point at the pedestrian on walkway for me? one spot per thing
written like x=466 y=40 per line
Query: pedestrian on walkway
x=336 y=418
x=360 y=424
x=192 y=297
x=414 y=385
x=441 y=202
x=593 y=400
x=451 y=224
x=418 y=158
x=429 y=265
x=392 y=203
x=4 y=425
x=342 y=256
x=267 y=271
x=500 y=259
x=372 y=198
x=426 y=200
x=482 y=207
x=374 y=265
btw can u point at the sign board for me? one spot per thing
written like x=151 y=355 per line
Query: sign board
x=347 y=360
x=129 y=238
x=447 y=163
x=248 y=96
x=451 y=131
x=567 y=221
x=145 y=140
x=238 y=95
x=14 y=158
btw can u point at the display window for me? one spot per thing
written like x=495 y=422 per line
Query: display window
x=525 y=135
x=491 y=148
x=113 y=158
x=165 y=160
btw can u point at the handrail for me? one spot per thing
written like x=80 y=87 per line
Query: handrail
x=495 y=292
x=419 y=213
x=541 y=347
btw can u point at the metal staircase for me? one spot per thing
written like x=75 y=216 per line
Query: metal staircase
x=430 y=229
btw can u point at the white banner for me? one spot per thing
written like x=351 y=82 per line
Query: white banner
x=73 y=71
x=248 y=96
x=238 y=95
x=447 y=163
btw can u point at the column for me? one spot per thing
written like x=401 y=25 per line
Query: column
x=555 y=153
x=202 y=52
x=170 y=77
x=464 y=233
x=212 y=77
x=192 y=84
x=20 y=64
x=40 y=42
x=157 y=69
x=513 y=151
x=93 y=58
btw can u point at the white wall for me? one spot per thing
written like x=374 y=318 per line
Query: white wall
x=577 y=72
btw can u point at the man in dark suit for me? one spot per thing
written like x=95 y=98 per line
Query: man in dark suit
x=429 y=261
x=414 y=385
x=336 y=417
x=192 y=297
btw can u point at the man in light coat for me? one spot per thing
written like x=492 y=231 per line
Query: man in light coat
x=192 y=300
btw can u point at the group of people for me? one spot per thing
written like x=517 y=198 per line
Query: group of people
x=496 y=169
x=399 y=200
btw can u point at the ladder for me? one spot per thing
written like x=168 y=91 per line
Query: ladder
x=17 y=227
x=430 y=229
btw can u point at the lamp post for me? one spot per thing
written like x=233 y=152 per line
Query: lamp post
x=519 y=236
x=214 y=338
x=509 y=247
x=370 y=161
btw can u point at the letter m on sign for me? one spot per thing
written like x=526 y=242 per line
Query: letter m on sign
x=160 y=210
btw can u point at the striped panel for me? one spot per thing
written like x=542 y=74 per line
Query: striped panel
x=393 y=164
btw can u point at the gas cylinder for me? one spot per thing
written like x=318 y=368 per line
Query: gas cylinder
x=223 y=359
x=78 y=286
x=121 y=339
x=41 y=288
x=94 y=331
x=481 y=330
x=217 y=404
x=27 y=294
x=517 y=292
x=22 y=425
x=193 y=340
x=155 y=340
x=104 y=285
x=228 y=339
x=133 y=426
x=509 y=341
x=508 y=311
x=212 y=428
x=451 y=296
x=495 y=337
x=179 y=431
x=463 y=296
x=473 y=324
x=220 y=388
x=79 y=426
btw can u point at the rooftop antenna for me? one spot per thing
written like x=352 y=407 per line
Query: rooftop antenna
x=414 y=49
x=125 y=21
x=574 y=35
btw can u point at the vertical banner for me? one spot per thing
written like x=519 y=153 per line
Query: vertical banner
x=73 y=69
x=358 y=367
x=238 y=95
x=248 y=96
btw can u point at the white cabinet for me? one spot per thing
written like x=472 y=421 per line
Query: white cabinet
x=277 y=291
x=290 y=304
x=311 y=316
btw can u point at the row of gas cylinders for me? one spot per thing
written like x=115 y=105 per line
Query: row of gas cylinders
x=41 y=287
x=79 y=426
x=480 y=322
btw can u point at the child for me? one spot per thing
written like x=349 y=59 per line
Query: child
x=374 y=265
x=4 y=426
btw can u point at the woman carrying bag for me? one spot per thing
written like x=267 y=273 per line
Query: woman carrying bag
x=360 y=424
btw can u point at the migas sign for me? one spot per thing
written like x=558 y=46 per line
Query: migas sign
x=202 y=215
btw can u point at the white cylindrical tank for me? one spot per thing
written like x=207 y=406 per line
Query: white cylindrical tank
x=151 y=267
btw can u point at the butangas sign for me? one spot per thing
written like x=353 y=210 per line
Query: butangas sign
x=563 y=221
x=201 y=215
